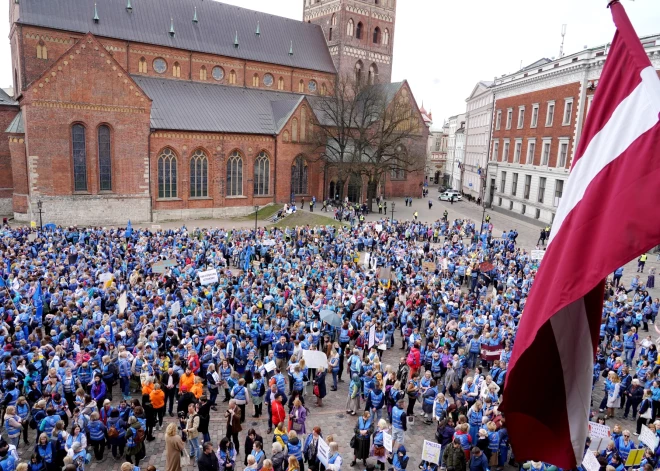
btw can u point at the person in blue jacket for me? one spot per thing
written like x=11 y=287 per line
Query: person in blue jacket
x=478 y=461
x=400 y=459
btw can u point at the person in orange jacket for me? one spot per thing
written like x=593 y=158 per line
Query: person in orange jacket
x=187 y=381
x=157 y=397
x=197 y=388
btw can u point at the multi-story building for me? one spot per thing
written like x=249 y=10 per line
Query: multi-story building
x=477 y=133
x=539 y=114
x=360 y=35
x=438 y=157
x=459 y=157
x=454 y=123
x=444 y=147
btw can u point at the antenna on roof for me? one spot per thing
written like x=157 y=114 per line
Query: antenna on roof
x=236 y=39
x=195 y=20
x=129 y=8
x=561 y=47
x=291 y=49
x=258 y=32
x=96 y=14
x=172 y=27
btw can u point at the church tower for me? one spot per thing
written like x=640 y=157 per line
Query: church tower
x=359 y=33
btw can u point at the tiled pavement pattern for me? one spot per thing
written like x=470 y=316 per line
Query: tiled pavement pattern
x=332 y=417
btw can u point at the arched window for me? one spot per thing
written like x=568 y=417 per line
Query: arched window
x=303 y=124
x=167 y=174
x=358 y=72
x=280 y=83
x=176 y=70
x=333 y=22
x=285 y=136
x=42 y=50
x=330 y=34
x=398 y=172
x=349 y=27
x=386 y=37
x=294 y=130
x=235 y=174
x=105 y=159
x=358 y=30
x=377 y=35
x=261 y=174
x=202 y=73
x=79 y=148
x=255 y=80
x=373 y=74
x=199 y=171
x=301 y=86
x=142 y=65
x=299 y=176
x=232 y=77
x=324 y=90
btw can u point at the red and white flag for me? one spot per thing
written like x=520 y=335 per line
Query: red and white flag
x=608 y=216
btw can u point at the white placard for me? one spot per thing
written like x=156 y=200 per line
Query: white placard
x=648 y=438
x=323 y=451
x=32 y=237
x=270 y=366
x=382 y=347
x=156 y=227
x=315 y=359
x=207 y=277
x=431 y=452
x=268 y=242
x=176 y=308
x=538 y=254
x=597 y=430
x=387 y=441
x=590 y=462
x=372 y=335
x=378 y=227
x=123 y=302
x=105 y=277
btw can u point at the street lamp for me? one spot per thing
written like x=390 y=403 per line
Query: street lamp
x=256 y=215
x=392 y=218
x=40 y=207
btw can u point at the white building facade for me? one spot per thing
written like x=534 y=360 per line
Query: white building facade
x=479 y=111
x=454 y=123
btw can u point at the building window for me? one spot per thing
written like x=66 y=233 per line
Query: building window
x=498 y=120
x=235 y=174
x=563 y=154
x=79 y=148
x=550 y=116
x=350 y=27
x=299 y=176
x=531 y=148
x=545 y=155
x=268 y=80
x=535 y=115
x=303 y=124
x=523 y=210
x=255 y=80
x=505 y=152
x=334 y=20
x=199 y=166
x=42 y=51
x=568 y=111
x=528 y=184
x=312 y=86
x=142 y=65
x=559 y=191
x=397 y=174
x=301 y=86
x=219 y=73
x=105 y=159
x=521 y=117
x=358 y=30
x=509 y=118
x=373 y=73
x=538 y=213
x=517 y=151
x=496 y=148
x=202 y=73
x=294 y=130
x=261 y=174
x=280 y=83
x=386 y=37
x=324 y=90
x=176 y=70
x=232 y=77
x=160 y=66
x=285 y=136
x=330 y=34
x=542 y=181
x=167 y=174
x=514 y=184
x=503 y=182
x=376 y=38
x=358 y=73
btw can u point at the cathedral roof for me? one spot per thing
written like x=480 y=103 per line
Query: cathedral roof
x=259 y=36
x=194 y=106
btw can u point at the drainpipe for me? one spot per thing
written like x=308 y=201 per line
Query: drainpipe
x=275 y=170
x=151 y=210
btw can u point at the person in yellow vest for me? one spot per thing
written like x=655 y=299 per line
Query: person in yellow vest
x=415 y=215
x=641 y=261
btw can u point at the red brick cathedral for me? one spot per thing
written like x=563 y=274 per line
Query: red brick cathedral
x=154 y=110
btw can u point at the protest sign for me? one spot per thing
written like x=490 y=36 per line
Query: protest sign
x=372 y=335
x=123 y=302
x=103 y=277
x=431 y=452
x=648 y=438
x=32 y=237
x=597 y=430
x=161 y=267
x=491 y=352
x=429 y=266
x=270 y=366
x=378 y=227
x=315 y=359
x=176 y=308
x=323 y=451
x=208 y=277
x=538 y=254
x=590 y=462
x=387 y=441
x=635 y=457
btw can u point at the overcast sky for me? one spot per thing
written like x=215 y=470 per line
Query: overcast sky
x=444 y=47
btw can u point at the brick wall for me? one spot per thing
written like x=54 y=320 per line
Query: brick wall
x=7 y=114
x=19 y=174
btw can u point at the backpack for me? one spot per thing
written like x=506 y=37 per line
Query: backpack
x=113 y=432
x=412 y=360
x=645 y=406
x=139 y=436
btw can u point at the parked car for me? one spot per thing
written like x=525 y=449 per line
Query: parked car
x=448 y=195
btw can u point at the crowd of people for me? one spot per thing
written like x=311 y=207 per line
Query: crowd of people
x=106 y=332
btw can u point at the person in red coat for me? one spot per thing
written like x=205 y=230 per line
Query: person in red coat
x=278 y=413
x=414 y=359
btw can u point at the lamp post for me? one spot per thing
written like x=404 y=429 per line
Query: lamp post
x=392 y=218
x=40 y=207
x=256 y=215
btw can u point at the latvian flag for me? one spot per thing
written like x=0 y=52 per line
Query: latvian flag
x=607 y=217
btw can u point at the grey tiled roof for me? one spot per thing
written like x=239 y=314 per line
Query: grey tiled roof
x=214 y=33
x=16 y=125
x=195 y=106
x=6 y=99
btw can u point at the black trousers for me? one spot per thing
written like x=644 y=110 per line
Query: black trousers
x=233 y=436
x=99 y=447
x=170 y=399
